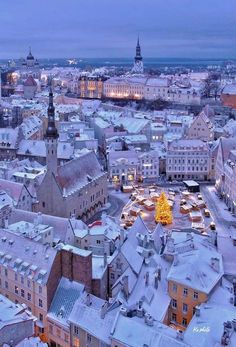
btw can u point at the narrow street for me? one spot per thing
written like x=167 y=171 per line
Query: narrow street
x=224 y=222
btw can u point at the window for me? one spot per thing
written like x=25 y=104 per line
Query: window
x=185 y=292
x=98 y=241
x=22 y=293
x=76 y=330
x=76 y=342
x=41 y=317
x=22 y=280
x=6 y=272
x=40 y=290
x=112 y=276
x=40 y=303
x=28 y=283
x=89 y=338
x=29 y=296
x=58 y=332
x=66 y=337
x=184 y=322
x=43 y=203
x=16 y=290
x=174 y=317
x=6 y=284
x=185 y=308
x=174 y=287
x=16 y=277
x=174 y=303
x=195 y=295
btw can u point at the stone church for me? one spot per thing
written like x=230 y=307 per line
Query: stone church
x=79 y=187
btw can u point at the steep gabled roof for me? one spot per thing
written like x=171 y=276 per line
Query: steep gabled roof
x=30 y=82
x=78 y=172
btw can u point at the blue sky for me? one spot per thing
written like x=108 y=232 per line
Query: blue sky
x=109 y=28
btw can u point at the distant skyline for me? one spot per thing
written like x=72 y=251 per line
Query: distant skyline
x=100 y=29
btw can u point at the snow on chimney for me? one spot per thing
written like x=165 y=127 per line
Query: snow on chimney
x=215 y=264
x=88 y=300
x=170 y=245
x=197 y=311
x=122 y=236
x=156 y=281
x=176 y=259
x=104 y=309
x=39 y=218
x=105 y=260
x=180 y=335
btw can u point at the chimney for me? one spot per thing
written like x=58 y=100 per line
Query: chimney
x=107 y=247
x=140 y=310
x=215 y=264
x=180 y=335
x=126 y=286
x=145 y=241
x=39 y=218
x=159 y=273
x=88 y=301
x=149 y=319
x=176 y=259
x=147 y=278
x=156 y=281
x=104 y=309
x=103 y=218
x=105 y=260
x=197 y=311
x=122 y=236
x=73 y=217
x=170 y=245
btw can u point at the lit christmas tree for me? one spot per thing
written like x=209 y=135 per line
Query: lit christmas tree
x=163 y=210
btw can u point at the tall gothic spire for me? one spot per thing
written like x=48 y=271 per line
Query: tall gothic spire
x=51 y=131
x=138 y=56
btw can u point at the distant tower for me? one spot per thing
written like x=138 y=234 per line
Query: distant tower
x=138 y=60
x=30 y=61
x=51 y=136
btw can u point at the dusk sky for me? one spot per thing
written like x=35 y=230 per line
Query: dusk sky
x=106 y=28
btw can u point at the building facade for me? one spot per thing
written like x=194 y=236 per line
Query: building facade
x=188 y=159
x=79 y=187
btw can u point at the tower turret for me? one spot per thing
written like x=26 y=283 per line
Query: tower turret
x=51 y=136
x=138 y=60
x=138 y=56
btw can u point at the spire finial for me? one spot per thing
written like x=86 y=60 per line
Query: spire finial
x=51 y=131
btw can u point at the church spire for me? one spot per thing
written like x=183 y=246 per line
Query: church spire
x=51 y=131
x=138 y=56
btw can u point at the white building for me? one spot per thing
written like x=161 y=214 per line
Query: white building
x=201 y=128
x=225 y=171
x=188 y=159
x=130 y=87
